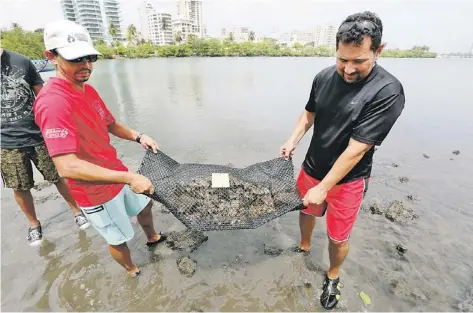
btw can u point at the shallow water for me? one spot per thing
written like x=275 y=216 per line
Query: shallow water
x=239 y=111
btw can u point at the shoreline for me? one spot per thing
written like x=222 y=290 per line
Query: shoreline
x=120 y=57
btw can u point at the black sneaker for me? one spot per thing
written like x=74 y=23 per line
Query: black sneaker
x=82 y=221
x=35 y=236
x=331 y=293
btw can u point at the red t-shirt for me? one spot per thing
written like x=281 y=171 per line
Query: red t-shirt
x=76 y=122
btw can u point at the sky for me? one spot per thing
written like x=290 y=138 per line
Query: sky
x=443 y=25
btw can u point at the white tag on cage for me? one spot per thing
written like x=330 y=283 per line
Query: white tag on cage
x=220 y=180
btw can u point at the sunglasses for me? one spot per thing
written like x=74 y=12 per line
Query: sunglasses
x=87 y=58
x=368 y=25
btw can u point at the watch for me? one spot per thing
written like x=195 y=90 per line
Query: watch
x=138 y=138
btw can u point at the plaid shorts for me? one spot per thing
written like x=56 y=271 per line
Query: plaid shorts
x=17 y=171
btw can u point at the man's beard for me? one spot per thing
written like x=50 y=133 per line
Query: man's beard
x=357 y=78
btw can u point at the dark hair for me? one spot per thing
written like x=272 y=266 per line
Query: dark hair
x=354 y=28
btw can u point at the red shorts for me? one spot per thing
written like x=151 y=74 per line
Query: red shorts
x=342 y=204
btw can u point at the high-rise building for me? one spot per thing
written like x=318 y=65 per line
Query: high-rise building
x=155 y=26
x=325 y=36
x=102 y=18
x=145 y=10
x=191 y=10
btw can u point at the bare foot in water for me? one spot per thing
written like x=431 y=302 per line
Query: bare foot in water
x=134 y=272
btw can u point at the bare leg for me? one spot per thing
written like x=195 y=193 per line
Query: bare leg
x=337 y=253
x=121 y=254
x=306 y=225
x=25 y=201
x=145 y=218
x=66 y=194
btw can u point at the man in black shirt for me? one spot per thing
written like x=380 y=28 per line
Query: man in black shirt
x=352 y=105
x=22 y=142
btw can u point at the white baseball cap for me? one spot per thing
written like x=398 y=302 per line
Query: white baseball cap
x=71 y=40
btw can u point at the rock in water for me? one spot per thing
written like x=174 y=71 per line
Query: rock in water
x=397 y=212
x=412 y=198
x=187 y=239
x=467 y=304
x=456 y=152
x=272 y=250
x=403 y=179
x=401 y=248
x=375 y=208
x=186 y=266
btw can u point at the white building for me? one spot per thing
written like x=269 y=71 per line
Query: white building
x=155 y=26
x=97 y=16
x=183 y=27
x=191 y=10
x=301 y=37
x=324 y=35
x=145 y=10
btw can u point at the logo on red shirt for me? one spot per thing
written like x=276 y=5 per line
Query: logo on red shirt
x=56 y=133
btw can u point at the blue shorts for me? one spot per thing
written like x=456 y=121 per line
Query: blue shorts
x=112 y=219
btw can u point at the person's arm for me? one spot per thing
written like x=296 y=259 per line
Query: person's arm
x=70 y=166
x=304 y=123
x=124 y=132
x=345 y=163
x=34 y=78
x=53 y=115
x=37 y=89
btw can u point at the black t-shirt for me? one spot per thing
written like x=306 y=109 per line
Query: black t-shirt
x=18 y=76
x=365 y=111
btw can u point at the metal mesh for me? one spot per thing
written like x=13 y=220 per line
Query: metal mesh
x=254 y=195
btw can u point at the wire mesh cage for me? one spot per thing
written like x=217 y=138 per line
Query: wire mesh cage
x=208 y=197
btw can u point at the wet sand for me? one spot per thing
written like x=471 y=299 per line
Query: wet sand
x=73 y=271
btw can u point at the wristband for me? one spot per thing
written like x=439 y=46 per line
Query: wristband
x=138 y=138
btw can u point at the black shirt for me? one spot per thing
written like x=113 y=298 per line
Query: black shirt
x=18 y=76
x=365 y=111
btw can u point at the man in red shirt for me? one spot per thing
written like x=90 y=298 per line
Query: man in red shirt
x=76 y=123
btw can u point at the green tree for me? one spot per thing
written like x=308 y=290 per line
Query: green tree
x=112 y=31
x=30 y=44
x=131 y=34
x=178 y=37
x=100 y=41
x=251 y=36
